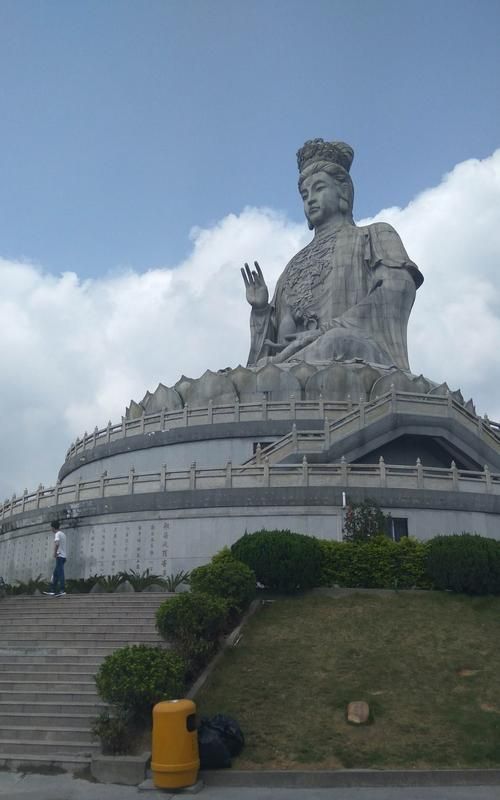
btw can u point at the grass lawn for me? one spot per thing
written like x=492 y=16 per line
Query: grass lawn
x=427 y=663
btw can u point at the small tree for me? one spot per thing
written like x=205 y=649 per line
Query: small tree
x=363 y=521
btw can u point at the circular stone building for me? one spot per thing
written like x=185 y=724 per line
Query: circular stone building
x=326 y=413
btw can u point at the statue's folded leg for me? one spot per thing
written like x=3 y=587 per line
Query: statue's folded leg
x=344 y=344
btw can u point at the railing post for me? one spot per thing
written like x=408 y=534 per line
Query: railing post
x=305 y=472
x=185 y=411
x=321 y=406
x=454 y=476
x=108 y=431
x=131 y=474
x=24 y=498
x=349 y=403
x=293 y=409
x=343 y=471
x=394 y=399
x=163 y=478
x=124 y=427
x=229 y=475
x=383 y=477
x=487 y=478
x=101 y=483
x=266 y=471
x=94 y=436
x=237 y=410
x=12 y=503
x=327 y=433
x=163 y=419
x=210 y=412
x=264 y=407
x=449 y=403
x=258 y=454
x=295 y=443
x=192 y=475
x=420 y=475
x=362 y=411
x=143 y=419
x=77 y=488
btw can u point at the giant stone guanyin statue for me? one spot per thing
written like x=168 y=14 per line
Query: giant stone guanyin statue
x=347 y=295
x=336 y=326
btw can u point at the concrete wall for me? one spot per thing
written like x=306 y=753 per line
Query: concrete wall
x=139 y=532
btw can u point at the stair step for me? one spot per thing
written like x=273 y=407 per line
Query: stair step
x=47 y=720
x=55 y=735
x=33 y=760
x=50 y=696
x=48 y=663
x=56 y=749
x=50 y=708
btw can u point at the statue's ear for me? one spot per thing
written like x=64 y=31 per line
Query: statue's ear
x=343 y=205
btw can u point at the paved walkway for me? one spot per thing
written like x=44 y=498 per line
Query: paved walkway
x=18 y=786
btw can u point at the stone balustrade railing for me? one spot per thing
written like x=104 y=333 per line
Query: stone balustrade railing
x=304 y=441
x=342 y=475
x=297 y=410
x=211 y=414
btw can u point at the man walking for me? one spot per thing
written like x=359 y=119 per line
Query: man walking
x=57 y=587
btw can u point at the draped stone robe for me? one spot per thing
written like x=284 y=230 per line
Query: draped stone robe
x=355 y=288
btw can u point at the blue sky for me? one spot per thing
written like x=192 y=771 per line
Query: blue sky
x=124 y=123
x=148 y=148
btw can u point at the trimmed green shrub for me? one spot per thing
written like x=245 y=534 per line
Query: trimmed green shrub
x=364 y=521
x=192 y=622
x=228 y=578
x=115 y=732
x=464 y=563
x=281 y=560
x=136 y=677
x=377 y=563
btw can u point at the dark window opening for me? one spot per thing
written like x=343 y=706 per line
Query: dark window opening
x=396 y=528
x=262 y=445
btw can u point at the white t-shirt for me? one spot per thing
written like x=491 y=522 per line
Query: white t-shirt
x=60 y=538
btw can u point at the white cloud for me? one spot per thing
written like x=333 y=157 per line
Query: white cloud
x=74 y=353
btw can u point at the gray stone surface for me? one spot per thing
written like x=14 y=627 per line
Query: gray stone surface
x=348 y=294
x=124 y=770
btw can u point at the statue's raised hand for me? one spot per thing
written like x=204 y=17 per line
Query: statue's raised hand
x=256 y=289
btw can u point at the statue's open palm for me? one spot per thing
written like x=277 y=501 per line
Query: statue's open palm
x=256 y=289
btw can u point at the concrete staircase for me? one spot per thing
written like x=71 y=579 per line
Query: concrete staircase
x=50 y=650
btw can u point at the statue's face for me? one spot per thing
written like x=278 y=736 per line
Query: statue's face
x=320 y=195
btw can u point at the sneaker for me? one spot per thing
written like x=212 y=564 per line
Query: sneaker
x=61 y=594
x=49 y=594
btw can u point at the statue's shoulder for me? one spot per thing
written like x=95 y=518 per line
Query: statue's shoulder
x=377 y=229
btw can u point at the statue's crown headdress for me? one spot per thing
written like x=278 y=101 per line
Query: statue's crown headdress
x=314 y=150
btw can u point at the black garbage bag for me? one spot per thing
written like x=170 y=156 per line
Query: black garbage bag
x=214 y=753
x=230 y=732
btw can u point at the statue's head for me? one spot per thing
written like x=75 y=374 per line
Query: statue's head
x=333 y=160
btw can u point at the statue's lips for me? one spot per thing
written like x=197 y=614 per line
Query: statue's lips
x=313 y=210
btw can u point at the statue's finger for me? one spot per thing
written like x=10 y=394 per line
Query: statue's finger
x=244 y=276
x=249 y=273
x=259 y=271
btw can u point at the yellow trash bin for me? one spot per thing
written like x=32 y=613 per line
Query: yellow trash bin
x=175 y=760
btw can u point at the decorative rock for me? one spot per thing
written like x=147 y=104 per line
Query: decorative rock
x=358 y=712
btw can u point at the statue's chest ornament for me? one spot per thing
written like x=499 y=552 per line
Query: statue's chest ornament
x=305 y=277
